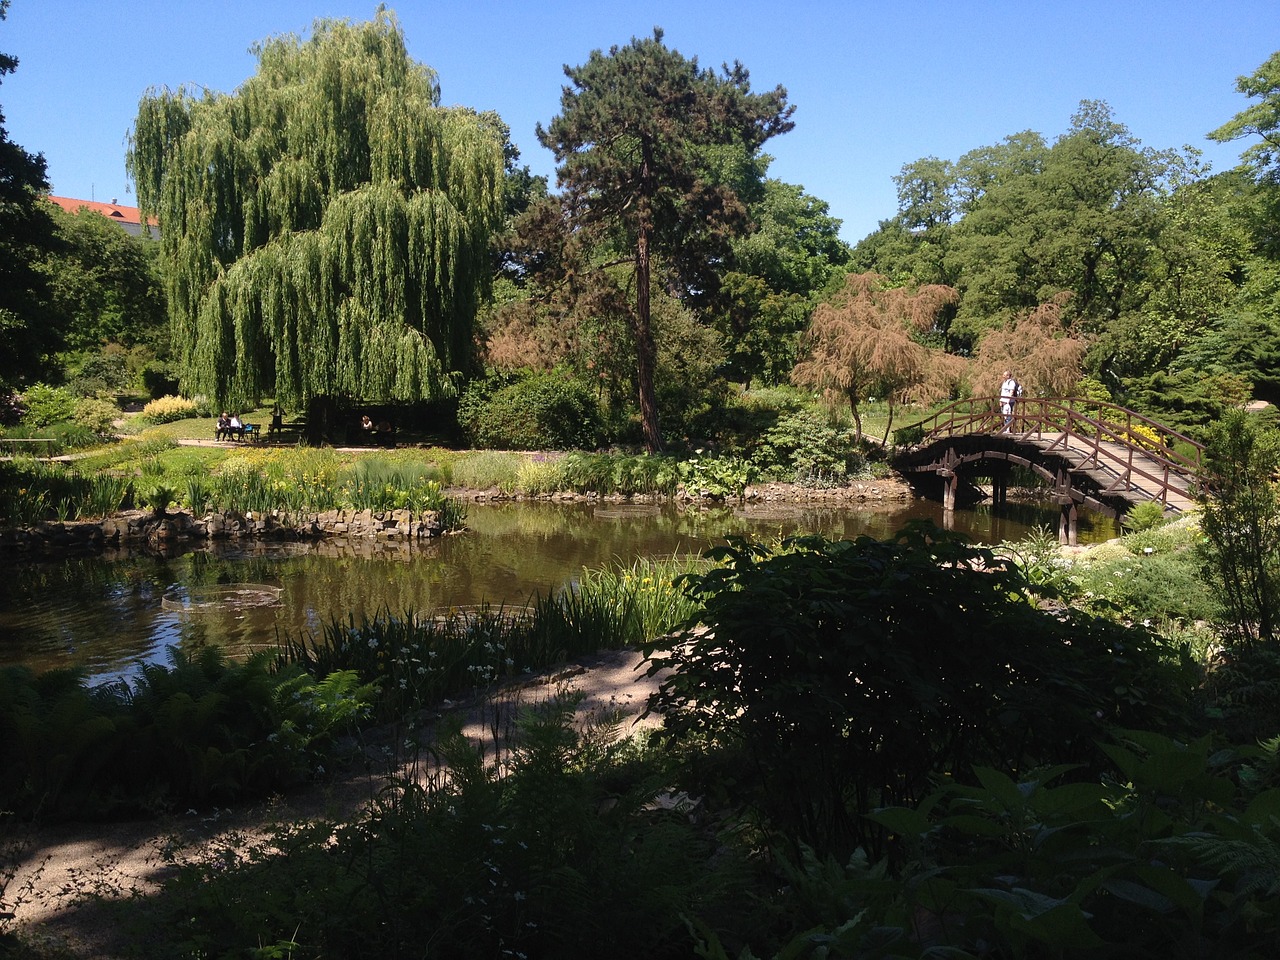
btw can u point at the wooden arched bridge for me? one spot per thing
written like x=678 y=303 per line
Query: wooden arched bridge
x=1096 y=455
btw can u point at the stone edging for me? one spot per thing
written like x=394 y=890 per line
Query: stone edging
x=174 y=526
x=393 y=526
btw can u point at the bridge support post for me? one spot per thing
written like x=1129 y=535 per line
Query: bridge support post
x=950 y=483
x=1000 y=485
x=1067 y=524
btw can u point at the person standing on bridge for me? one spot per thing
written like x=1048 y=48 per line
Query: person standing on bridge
x=1010 y=391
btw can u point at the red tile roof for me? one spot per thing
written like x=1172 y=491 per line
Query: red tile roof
x=112 y=211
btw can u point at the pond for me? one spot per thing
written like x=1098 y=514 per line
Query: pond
x=105 y=614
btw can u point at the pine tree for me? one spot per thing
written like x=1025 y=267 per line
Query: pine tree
x=634 y=139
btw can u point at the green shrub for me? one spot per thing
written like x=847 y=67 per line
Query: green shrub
x=1154 y=588
x=621 y=473
x=198 y=730
x=61 y=436
x=46 y=405
x=99 y=416
x=1164 y=857
x=716 y=478
x=541 y=411
x=168 y=409
x=1242 y=687
x=159 y=380
x=105 y=371
x=1144 y=516
x=851 y=674
x=1241 y=523
x=807 y=448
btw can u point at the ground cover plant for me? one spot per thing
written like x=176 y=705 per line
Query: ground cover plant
x=202 y=729
x=560 y=850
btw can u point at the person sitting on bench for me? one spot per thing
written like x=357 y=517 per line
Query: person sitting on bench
x=223 y=430
x=236 y=428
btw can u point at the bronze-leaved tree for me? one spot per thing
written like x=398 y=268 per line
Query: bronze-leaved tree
x=865 y=341
x=325 y=228
x=635 y=141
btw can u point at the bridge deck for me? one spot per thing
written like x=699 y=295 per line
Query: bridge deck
x=1106 y=469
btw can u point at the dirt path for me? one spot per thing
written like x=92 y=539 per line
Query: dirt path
x=61 y=872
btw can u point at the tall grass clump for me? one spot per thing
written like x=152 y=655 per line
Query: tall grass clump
x=625 y=474
x=540 y=476
x=294 y=482
x=419 y=659
x=32 y=491
x=375 y=483
x=488 y=470
x=646 y=598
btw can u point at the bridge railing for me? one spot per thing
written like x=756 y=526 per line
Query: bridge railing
x=1114 y=436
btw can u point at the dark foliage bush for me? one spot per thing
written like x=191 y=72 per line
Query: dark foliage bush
x=850 y=674
x=201 y=730
x=159 y=380
x=540 y=411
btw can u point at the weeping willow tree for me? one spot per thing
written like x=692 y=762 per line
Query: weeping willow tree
x=325 y=228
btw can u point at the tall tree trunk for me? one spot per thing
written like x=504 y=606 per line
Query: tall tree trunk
x=884 y=442
x=857 y=419
x=323 y=418
x=646 y=351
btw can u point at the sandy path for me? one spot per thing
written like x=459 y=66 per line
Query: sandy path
x=60 y=871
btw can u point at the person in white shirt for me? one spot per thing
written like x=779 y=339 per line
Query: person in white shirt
x=1010 y=391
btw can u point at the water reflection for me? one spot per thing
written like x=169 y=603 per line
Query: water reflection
x=106 y=613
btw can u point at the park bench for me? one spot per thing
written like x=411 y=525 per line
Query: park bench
x=246 y=431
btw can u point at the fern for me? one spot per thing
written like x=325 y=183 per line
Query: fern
x=1253 y=863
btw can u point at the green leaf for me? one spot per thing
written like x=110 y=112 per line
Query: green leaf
x=1264 y=809
x=1138 y=894
x=1072 y=798
x=901 y=820
x=1167 y=883
x=1001 y=787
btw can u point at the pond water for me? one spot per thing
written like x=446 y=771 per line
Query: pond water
x=105 y=614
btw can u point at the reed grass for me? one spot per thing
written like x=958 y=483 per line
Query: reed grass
x=419 y=659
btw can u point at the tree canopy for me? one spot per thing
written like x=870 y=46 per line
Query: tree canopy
x=866 y=341
x=105 y=283
x=643 y=139
x=1261 y=119
x=26 y=236
x=325 y=228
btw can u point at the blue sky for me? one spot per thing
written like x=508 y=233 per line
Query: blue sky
x=876 y=84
